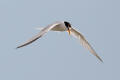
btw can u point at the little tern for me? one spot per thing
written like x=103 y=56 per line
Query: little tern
x=63 y=26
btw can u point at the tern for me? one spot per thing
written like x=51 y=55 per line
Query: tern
x=63 y=26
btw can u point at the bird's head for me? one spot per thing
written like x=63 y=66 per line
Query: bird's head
x=68 y=26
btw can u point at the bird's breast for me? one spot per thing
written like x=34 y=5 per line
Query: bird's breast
x=60 y=27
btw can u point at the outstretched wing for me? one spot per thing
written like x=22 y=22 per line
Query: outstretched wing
x=40 y=34
x=84 y=42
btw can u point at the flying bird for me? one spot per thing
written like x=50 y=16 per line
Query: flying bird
x=63 y=26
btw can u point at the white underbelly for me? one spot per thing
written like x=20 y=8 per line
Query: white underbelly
x=59 y=28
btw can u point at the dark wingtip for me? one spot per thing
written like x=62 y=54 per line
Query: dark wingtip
x=17 y=47
x=100 y=59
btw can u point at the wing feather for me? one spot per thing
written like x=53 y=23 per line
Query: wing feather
x=40 y=34
x=84 y=42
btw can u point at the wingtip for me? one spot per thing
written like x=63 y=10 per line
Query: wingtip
x=100 y=59
x=16 y=47
x=19 y=47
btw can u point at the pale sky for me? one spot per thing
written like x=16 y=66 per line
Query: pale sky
x=58 y=56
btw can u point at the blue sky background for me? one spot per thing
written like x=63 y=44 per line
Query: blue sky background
x=59 y=56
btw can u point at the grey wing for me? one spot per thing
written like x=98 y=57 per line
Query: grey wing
x=84 y=42
x=40 y=34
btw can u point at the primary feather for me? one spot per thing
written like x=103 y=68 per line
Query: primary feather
x=84 y=42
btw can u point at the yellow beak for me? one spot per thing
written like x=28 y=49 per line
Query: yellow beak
x=68 y=31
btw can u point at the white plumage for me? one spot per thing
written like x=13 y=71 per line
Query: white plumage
x=63 y=26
